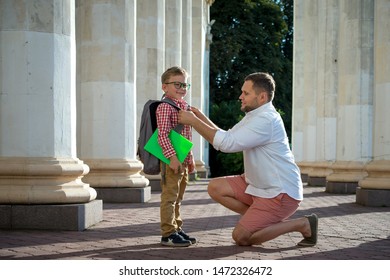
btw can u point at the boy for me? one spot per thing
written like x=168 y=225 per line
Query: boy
x=175 y=177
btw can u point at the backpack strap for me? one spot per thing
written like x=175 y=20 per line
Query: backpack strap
x=179 y=127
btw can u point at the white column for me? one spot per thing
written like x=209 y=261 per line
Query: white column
x=150 y=45
x=186 y=42
x=355 y=91
x=40 y=175
x=310 y=47
x=186 y=46
x=298 y=130
x=327 y=80
x=310 y=117
x=374 y=190
x=206 y=97
x=298 y=81
x=38 y=162
x=107 y=97
x=173 y=33
x=200 y=13
x=322 y=106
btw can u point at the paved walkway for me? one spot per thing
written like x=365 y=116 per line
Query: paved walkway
x=347 y=231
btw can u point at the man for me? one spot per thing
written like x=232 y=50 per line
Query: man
x=270 y=190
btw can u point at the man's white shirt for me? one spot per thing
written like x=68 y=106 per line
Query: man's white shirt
x=269 y=164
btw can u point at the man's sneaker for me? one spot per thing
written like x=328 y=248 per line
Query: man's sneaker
x=175 y=240
x=187 y=237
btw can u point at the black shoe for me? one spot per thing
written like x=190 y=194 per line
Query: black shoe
x=186 y=237
x=312 y=240
x=175 y=240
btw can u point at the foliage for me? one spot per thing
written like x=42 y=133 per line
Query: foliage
x=248 y=36
x=222 y=163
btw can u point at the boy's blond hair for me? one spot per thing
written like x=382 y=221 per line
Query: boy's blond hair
x=173 y=71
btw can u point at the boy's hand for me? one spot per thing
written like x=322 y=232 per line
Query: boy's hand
x=175 y=164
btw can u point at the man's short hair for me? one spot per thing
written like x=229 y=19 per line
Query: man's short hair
x=262 y=82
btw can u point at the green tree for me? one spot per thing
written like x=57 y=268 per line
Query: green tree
x=248 y=36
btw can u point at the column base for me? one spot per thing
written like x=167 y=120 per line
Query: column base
x=374 y=190
x=118 y=180
x=318 y=173
x=316 y=181
x=73 y=217
x=341 y=187
x=155 y=184
x=192 y=176
x=305 y=168
x=373 y=197
x=43 y=180
x=304 y=178
x=201 y=170
x=202 y=174
x=112 y=173
x=345 y=177
x=124 y=195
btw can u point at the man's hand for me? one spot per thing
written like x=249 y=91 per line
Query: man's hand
x=186 y=117
x=196 y=111
x=203 y=125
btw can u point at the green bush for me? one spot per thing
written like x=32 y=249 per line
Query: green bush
x=248 y=36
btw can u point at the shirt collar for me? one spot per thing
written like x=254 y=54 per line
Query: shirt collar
x=180 y=102
x=262 y=108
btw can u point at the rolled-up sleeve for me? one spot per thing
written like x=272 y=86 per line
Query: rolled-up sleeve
x=218 y=139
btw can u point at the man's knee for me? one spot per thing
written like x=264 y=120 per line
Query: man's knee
x=213 y=188
x=241 y=237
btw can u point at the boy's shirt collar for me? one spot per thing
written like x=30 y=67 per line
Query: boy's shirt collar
x=178 y=101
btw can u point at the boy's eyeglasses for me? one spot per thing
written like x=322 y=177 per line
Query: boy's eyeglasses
x=179 y=85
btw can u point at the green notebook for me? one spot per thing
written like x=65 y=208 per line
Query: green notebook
x=181 y=145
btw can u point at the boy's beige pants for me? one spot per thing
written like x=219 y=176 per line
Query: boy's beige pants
x=173 y=187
